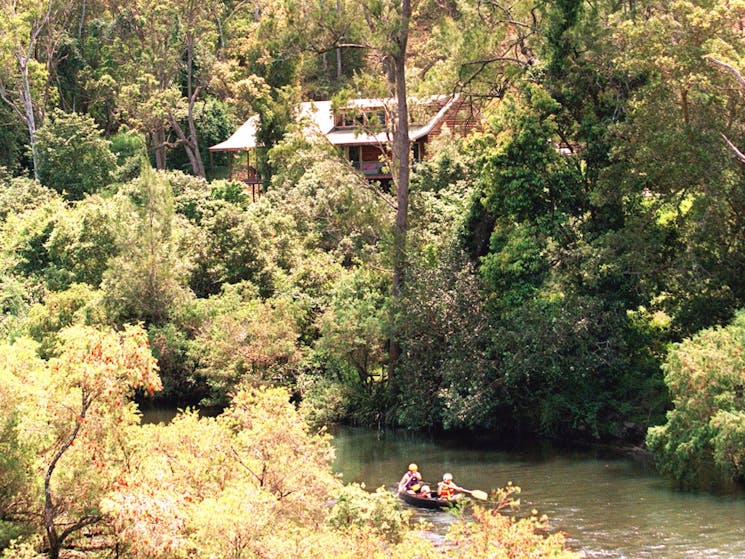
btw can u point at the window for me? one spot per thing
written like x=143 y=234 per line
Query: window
x=353 y=154
x=416 y=152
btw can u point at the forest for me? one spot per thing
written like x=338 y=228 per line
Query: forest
x=574 y=268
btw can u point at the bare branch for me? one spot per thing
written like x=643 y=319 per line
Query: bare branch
x=741 y=80
x=486 y=61
x=738 y=153
x=732 y=69
x=350 y=46
x=237 y=456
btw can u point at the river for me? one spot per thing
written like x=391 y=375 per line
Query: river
x=610 y=505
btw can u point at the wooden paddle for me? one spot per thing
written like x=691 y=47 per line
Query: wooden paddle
x=476 y=494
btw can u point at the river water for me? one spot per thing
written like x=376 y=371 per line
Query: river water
x=609 y=505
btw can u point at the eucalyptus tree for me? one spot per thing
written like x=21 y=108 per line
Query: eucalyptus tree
x=676 y=167
x=166 y=50
x=28 y=29
x=741 y=80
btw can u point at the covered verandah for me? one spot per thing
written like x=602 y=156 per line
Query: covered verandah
x=242 y=141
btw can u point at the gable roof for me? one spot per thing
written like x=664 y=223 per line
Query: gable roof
x=242 y=139
x=319 y=116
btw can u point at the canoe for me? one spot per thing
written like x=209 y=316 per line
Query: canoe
x=427 y=502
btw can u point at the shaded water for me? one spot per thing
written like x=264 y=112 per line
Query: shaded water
x=609 y=505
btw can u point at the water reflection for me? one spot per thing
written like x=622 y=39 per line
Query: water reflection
x=609 y=505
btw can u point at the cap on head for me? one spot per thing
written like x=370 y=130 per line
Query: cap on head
x=413 y=467
x=447 y=477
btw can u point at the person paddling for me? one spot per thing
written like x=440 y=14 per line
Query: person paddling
x=411 y=480
x=447 y=487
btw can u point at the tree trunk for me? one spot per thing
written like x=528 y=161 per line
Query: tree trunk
x=401 y=149
x=192 y=146
x=23 y=54
x=50 y=528
x=191 y=143
x=339 y=69
x=159 y=147
x=30 y=117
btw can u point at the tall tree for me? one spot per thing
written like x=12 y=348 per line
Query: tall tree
x=167 y=49
x=23 y=78
x=394 y=20
x=147 y=277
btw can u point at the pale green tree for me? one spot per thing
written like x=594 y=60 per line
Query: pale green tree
x=147 y=277
x=251 y=482
x=249 y=340
x=73 y=157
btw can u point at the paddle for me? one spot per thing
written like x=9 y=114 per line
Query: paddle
x=476 y=494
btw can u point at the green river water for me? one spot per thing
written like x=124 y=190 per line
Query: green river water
x=609 y=504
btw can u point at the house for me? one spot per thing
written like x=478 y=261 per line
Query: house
x=361 y=130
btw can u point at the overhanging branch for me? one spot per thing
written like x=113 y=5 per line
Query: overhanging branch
x=741 y=80
x=731 y=69
x=738 y=153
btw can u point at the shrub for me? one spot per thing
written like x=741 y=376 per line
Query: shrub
x=378 y=512
x=704 y=438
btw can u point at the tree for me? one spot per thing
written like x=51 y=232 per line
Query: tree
x=16 y=456
x=24 y=243
x=159 y=45
x=249 y=341
x=23 y=26
x=227 y=248
x=677 y=115
x=703 y=439
x=73 y=414
x=78 y=305
x=253 y=481
x=130 y=148
x=147 y=277
x=196 y=17
x=353 y=330
x=447 y=341
x=19 y=194
x=334 y=209
x=12 y=140
x=73 y=158
x=741 y=80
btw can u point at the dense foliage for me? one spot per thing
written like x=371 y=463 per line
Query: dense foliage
x=538 y=278
x=704 y=437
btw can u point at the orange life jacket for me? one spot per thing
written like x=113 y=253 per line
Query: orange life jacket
x=446 y=490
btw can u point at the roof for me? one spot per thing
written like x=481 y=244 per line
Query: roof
x=242 y=139
x=320 y=117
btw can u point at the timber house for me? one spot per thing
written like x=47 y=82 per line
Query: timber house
x=361 y=130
